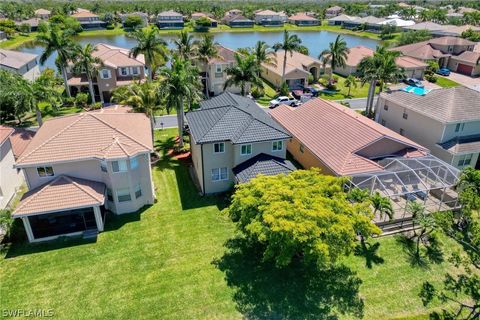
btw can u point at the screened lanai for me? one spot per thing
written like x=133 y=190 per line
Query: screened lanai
x=427 y=180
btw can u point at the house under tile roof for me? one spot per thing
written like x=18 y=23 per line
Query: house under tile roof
x=445 y=105
x=357 y=53
x=74 y=192
x=89 y=135
x=302 y=16
x=343 y=17
x=464 y=144
x=468 y=56
x=295 y=61
x=262 y=164
x=421 y=50
x=20 y=139
x=230 y=117
x=117 y=57
x=430 y=26
x=224 y=54
x=15 y=59
x=5 y=133
x=345 y=141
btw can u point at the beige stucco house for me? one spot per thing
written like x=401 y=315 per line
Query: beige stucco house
x=333 y=12
x=43 y=14
x=270 y=18
x=24 y=64
x=233 y=140
x=118 y=68
x=447 y=121
x=299 y=67
x=88 y=19
x=79 y=166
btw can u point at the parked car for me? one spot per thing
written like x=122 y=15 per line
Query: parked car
x=443 y=72
x=282 y=100
x=314 y=91
x=413 y=82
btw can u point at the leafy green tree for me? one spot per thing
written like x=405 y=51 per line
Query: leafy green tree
x=290 y=44
x=387 y=32
x=86 y=62
x=410 y=37
x=358 y=195
x=6 y=222
x=202 y=24
x=336 y=54
x=471 y=35
x=133 y=22
x=184 y=45
x=350 y=82
x=303 y=216
x=56 y=40
x=263 y=55
x=24 y=28
x=244 y=71
x=152 y=47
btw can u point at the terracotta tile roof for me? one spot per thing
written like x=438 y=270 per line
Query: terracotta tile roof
x=89 y=135
x=170 y=13
x=5 y=132
x=42 y=11
x=302 y=16
x=336 y=134
x=267 y=13
x=451 y=41
x=421 y=50
x=117 y=57
x=343 y=17
x=15 y=59
x=20 y=139
x=224 y=55
x=357 y=53
x=296 y=61
x=468 y=56
x=73 y=192
x=445 y=105
x=83 y=13
x=334 y=9
x=410 y=62
x=431 y=26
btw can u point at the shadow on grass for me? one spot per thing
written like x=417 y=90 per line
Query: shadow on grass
x=369 y=252
x=263 y=291
x=427 y=253
x=115 y=222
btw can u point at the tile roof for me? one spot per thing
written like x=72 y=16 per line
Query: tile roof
x=73 y=192
x=32 y=22
x=230 y=18
x=116 y=57
x=451 y=41
x=410 y=62
x=42 y=11
x=468 y=56
x=83 y=13
x=421 y=50
x=267 y=13
x=445 y=105
x=357 y=53
x=224 y=55
x=302 y=16
x=334 y=9
x=89 y=135
x=5 y=133
x=20 y=139
x=337 y=135
x=342 y=17
x=262 y=164
x=295 y=61
x=465 y=144
x=169 y=13
x=369 y=20
x=230 y=117
x=431 y=26
x=15 y=59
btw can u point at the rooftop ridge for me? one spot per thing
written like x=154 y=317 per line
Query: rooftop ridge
x=81 y=188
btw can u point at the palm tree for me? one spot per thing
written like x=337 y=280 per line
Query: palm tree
x=382 y=205
x=350 y=82
x=206 y=50
x=84 y=61
x=143 y=97
x=61 y=42
x=380 y=68
x=336 y=54
x=185 y=46
x=244 y=71
x=152 y=47
x=416 y=210
x=290 y=44
x=263 y=55
x=177 y=82
x=425 y=15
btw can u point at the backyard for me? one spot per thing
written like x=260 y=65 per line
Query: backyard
x=169 y=262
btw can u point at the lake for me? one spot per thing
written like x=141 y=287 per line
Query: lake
x=315 y=41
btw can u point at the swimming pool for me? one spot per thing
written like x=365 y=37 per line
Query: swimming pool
x=416 y=90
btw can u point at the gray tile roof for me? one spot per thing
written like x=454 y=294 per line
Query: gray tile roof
x=464 y=144
x=229 y=117
x=261 y=164
x=445 y=105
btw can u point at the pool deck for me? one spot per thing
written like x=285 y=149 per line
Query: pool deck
x=427 y=85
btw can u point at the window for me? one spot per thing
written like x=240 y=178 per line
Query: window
x=45 y=171
x=385 y=107
x=464 y=160
x=134 y=163
x=218 y=68
x=219 y=147
x=384 y=122
x=135 y=71
x=105 y=74
x=109 y=195
x=459 y=127
x=138 y=191
x=405 y=115
x=301 y=148
x=277 y=145
x=402 y=132
x=103 y=166
x=123 y=195
x=246 y=149
x=119 y=166
x=124 y=71
x=219 y=174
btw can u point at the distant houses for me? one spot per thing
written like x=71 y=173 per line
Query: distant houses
x=43 y=14
x=209 y=17
x=237 y=21
x=88 y=19
x=333 y=12
x=142 y=15
x=24 y=64
x=269 y=18
x=170 y=20
x=303 y=19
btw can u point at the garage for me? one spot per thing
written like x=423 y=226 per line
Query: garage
x=464 y=69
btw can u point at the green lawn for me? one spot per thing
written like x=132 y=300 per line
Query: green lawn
x=358 y=92
x=444 y=82
x=30 y=119
x=169 y=262
x=270 y=94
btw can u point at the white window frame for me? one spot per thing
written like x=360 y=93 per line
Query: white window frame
x=135 y=71
x=123 y=69
x=246 y=146
x=102 y=75
x=218 y=68
x=134 y=162
x=221 y=150
x=216 y=174
x=45 y=170
x=277 y=143
x=122 y=166
x=127 y=193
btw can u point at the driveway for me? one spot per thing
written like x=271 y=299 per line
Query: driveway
x=467 y=81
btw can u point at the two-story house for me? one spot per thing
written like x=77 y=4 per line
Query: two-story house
x=88 y=19
x=447 y=121
x=270 y=18
x=118 y=68
x=24 y=64
x=333 y=12
x=43 y=14
x=170 y=20
x=78 y=166
x=232 y=140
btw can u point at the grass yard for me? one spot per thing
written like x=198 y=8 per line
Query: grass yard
x=169 y=262
x=444 y=82
x=30 y=119
x=269 y=94
x=358 y=92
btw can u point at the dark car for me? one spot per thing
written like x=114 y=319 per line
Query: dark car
x=413 y=82
x=443 y=72
x=314 y=91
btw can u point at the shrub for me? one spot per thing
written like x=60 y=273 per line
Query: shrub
x=110 y=26
x=24 y=28
x=311 y=79
x=431 y=78
x=96 y=106
x=284 y=89
x=6 y=222
x=133 y=22
x=257 y=92
x=81 y=100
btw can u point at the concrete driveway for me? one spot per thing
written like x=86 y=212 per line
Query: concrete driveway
x=467 y=81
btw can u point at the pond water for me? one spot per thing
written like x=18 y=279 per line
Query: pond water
x=315 y=41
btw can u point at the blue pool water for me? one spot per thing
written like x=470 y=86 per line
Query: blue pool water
x=416 y=90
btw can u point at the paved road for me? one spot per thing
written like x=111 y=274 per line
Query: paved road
x=170 y=121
